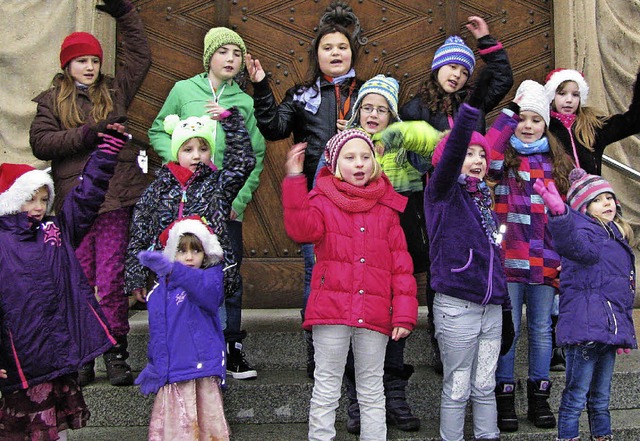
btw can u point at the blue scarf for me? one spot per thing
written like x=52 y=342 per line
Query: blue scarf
x=311 y=97
x=539 y=146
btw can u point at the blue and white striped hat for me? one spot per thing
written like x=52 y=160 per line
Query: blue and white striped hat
x=387 y=87
x=454 y=51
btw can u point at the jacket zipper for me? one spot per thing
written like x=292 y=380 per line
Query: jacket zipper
x=615 y=320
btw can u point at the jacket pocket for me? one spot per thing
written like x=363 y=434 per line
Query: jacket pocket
x=466 y=265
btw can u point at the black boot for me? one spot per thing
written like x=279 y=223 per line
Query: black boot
x=118 y=371
x=539 y=412
x=353 y=408
x=398 y=410
x=435 y=348
x=86 y=374
x=506 y=404
x=311 y=362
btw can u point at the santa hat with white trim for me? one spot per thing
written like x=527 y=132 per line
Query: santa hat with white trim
x=18 y=184
x=558 y=76
x=170 y=238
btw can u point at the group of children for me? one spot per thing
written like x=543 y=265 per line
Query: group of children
x=506 y=218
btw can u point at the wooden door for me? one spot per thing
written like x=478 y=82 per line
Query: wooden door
x=402 y=36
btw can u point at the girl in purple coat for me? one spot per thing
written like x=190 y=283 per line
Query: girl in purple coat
x=187 y=366
x=50 y=321
x=597 y=286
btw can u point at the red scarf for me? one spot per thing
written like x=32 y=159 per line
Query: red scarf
x=350 y=198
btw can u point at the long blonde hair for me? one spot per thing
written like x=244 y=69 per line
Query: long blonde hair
x=66 y=100
x=621 y=223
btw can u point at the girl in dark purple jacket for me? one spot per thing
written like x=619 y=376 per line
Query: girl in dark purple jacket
x=50 y=321
x=597 y=286
x=467 y=276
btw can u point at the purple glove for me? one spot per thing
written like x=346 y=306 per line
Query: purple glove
x=550 y=196
x=112 y=145
x=115 y=8
x=156 y=262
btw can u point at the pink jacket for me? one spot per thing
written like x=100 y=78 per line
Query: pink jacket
x=363 y=275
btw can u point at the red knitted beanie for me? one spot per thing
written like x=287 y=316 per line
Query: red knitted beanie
x=77 y=45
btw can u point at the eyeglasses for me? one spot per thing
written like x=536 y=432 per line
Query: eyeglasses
x=368 y=108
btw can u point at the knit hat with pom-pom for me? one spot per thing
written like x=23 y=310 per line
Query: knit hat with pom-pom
x=585 y=188
x=18 y=184
x=170 y=238
x=183 y=130
x=454 y=51
x=335 y=144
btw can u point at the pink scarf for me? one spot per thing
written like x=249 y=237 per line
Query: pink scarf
x=349 y=197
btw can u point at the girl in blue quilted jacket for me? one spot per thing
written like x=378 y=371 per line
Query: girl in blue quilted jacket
x=597 y=290
x=187 y=351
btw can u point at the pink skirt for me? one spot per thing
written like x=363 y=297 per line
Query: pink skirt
x=39 y=412
x=188 y=411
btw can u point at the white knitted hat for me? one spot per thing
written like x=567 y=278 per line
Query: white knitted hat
x=534 y=99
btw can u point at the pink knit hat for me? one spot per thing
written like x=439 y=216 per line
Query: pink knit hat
x=335 y=144
x=476 y=139
x=585 y=188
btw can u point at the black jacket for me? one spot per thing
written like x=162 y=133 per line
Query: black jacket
x=615 y=128
x=277 y=122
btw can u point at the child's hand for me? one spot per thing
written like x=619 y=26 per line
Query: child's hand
x=256 y=72
x=399 y=332
x=140 y=294
x=477 y=26
x=114 y=139
x=156 y=262
x=550 y=196
x=341 y=124
x=216 y=111
x=619 y=351
x=3 y=373
x=295 y=159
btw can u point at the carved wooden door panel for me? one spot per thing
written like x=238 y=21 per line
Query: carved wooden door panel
x=402 y=36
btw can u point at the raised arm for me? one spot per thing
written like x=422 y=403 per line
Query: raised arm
x=448 y=169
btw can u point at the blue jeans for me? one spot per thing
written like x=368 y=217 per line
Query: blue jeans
x=233 y=304
x=539 y=300
x=469 y=336
x=331 y=343
x=589 y=373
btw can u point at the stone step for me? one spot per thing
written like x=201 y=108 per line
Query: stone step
x=275 y=405
x=625 y=428
x=274 y=340
x=282 y=396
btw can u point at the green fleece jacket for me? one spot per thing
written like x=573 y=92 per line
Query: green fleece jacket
x=189 y=98
x=415 y=136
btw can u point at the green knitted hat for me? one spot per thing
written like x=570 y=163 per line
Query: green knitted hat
x=192 y=127
x=217 y=37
